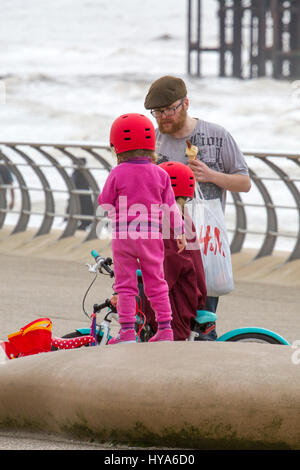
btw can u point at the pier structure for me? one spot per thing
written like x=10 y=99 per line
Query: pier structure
x=255 y=38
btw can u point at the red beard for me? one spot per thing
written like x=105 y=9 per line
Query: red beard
x=171 y=127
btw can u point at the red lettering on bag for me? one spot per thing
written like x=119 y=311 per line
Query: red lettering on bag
x=217 y=238
x=216 y=243
x=206 y=239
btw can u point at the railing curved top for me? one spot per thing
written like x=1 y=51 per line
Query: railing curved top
x=47 y=195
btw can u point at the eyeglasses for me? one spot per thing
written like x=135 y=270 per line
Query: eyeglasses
x=167 y=112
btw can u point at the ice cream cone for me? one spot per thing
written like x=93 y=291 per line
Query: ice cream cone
x=191 y=151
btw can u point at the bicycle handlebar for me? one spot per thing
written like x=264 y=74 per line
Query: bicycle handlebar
x=106 y=304
x=103 y=263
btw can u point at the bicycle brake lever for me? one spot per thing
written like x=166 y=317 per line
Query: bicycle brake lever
x=92 y=268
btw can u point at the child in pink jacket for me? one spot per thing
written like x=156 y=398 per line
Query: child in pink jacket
x=140 y=201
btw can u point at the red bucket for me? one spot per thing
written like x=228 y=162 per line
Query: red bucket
x=32 y=338
x=9 y=350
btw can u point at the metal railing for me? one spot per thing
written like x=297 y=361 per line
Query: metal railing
x=275 y=195
x=46 y=196
x=47 y=190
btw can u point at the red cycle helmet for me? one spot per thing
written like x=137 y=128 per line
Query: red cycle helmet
x=182 y=178
x=132 y=131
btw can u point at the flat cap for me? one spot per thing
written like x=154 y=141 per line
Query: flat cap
x=164 y=91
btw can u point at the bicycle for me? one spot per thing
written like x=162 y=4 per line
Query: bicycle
x=99 y=334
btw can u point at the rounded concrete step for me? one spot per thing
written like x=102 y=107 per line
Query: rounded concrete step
x=181 y=394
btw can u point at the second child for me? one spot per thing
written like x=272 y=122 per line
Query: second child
x=184 y=271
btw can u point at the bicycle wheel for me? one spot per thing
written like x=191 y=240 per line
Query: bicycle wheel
x=254 y=338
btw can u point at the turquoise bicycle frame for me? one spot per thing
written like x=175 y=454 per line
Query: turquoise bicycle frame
x=204 y=316
x=225 y=337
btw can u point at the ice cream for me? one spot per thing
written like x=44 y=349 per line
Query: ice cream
x=191 y=151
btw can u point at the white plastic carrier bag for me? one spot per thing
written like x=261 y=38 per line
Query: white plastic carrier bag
x=210 y=226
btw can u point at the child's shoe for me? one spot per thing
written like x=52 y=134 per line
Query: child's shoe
x=206 y=332
x=162 y=335
x=124 y=336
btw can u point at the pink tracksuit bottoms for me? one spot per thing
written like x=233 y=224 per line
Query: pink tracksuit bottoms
x=147 y=255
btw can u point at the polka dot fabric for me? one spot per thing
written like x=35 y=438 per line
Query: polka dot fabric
x=72 y=343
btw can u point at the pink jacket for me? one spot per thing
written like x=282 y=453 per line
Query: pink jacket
x=138 y=192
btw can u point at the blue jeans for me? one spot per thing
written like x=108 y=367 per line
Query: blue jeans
x=211 y=304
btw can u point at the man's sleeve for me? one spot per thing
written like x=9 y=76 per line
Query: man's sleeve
x=233 y=159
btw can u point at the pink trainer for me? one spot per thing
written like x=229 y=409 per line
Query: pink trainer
x=127 y=336
x=162 y=335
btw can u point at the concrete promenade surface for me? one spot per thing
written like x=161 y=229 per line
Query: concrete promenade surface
x=48 y=278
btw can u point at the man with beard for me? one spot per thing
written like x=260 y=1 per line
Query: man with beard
x=219 y=165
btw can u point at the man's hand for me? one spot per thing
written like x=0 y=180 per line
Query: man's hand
x=202 y=172
x=231 y=182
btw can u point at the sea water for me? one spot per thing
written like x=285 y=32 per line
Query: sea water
x=69 y=67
